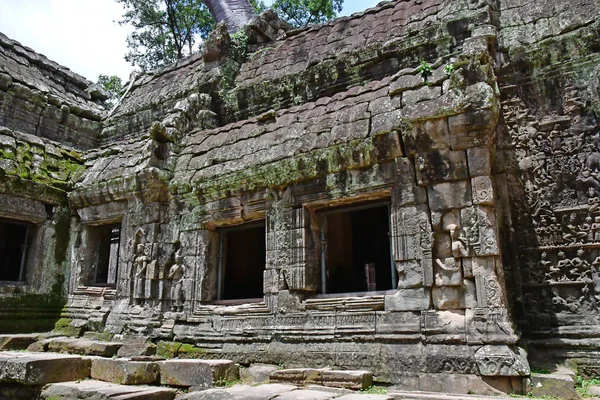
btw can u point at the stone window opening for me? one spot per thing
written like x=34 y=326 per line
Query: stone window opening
x=355 y=254
x=107 y=261
x=241 y=263
x=14 y=241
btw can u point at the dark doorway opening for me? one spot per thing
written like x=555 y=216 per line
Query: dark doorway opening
x=108 y=255
x=243 y=260
x=356 y=250
x=13 y=250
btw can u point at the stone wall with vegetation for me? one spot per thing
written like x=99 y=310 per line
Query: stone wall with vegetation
x=474 y=122
x=48 y=114
x=546 y=170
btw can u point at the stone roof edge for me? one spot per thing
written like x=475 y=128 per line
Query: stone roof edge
x=41 y=60
x=382 y=5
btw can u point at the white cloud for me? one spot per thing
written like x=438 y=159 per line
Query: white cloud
x=79 y=34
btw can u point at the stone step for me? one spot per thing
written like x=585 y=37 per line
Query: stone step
x=76 y=346
x=18 y=341
x=276 y=391
x=124 y=371
x=104 y=390
x=417 y=395
x=33 y=369
x=197 y=373
x=558 y=385
x=355 y=380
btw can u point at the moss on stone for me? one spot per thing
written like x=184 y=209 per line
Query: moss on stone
x=190 y=351
x=168 y=349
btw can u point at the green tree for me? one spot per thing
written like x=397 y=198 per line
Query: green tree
x=301 y=13
x=113 y=86
x=164 y=30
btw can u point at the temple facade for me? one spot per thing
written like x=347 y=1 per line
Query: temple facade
x=414 y=189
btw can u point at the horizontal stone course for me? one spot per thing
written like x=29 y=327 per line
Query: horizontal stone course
x=325 y=377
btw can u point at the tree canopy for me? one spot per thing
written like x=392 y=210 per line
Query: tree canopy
x=301 y=13
x=113 y=86
x=167 y=30
x=164 y=30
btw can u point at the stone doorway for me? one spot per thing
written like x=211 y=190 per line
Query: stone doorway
x=355 y=251
x=242 y=262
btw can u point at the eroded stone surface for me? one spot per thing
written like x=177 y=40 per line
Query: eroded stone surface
x=40 y=368
x=198 y=373
x=124 y=371
x=104 y=390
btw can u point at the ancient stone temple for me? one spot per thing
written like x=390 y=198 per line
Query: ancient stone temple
x=414 y=189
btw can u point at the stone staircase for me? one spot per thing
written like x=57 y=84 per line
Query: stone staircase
x=62 y=368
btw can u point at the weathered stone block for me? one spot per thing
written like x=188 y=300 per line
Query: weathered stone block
x=124 y=371
x=298 y=376
x=404 y=83
x=42 y=368
x=448 y=297
x=347 y=379
x=18 y=341
x=554 y=385
x=422 y=94
x=201 y=373
x=479 y=161
x=471 y=129
x=445 y=196
x=92 y=389
x=409 y=300
x=258 y=373
x=439 y=166
x=502 y=360
x=137 y=348
x=483 y=190
x=410 y=274
x=425 y=136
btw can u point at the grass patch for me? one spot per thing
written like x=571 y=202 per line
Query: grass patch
x=582 y=385
x=374 y=390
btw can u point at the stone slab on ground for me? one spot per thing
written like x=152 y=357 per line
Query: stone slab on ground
x=557 y=385
x=418 y=395
x=83 y=346
x=258 y=373
x=41 y=368
x=18 y=341
x=357 y=396
x=197 y=373
x=241 y=392
x=124 y=371
x=326 y=377
x=593 y=390
x=307 y=394
x=104 y=390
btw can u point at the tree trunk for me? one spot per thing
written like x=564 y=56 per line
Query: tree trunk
x=235 y=13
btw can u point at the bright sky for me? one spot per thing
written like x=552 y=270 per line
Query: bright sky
x=83 y=34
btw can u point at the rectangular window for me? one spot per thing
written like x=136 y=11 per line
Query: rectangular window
x=355 y=250
x=242 y=260
x=107 y=264
x=14 y=237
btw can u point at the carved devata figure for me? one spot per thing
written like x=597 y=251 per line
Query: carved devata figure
x=140 y=263
x=177 y=275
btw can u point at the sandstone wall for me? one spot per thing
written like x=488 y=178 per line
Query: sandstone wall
x=545 y=167
x=42 y=98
